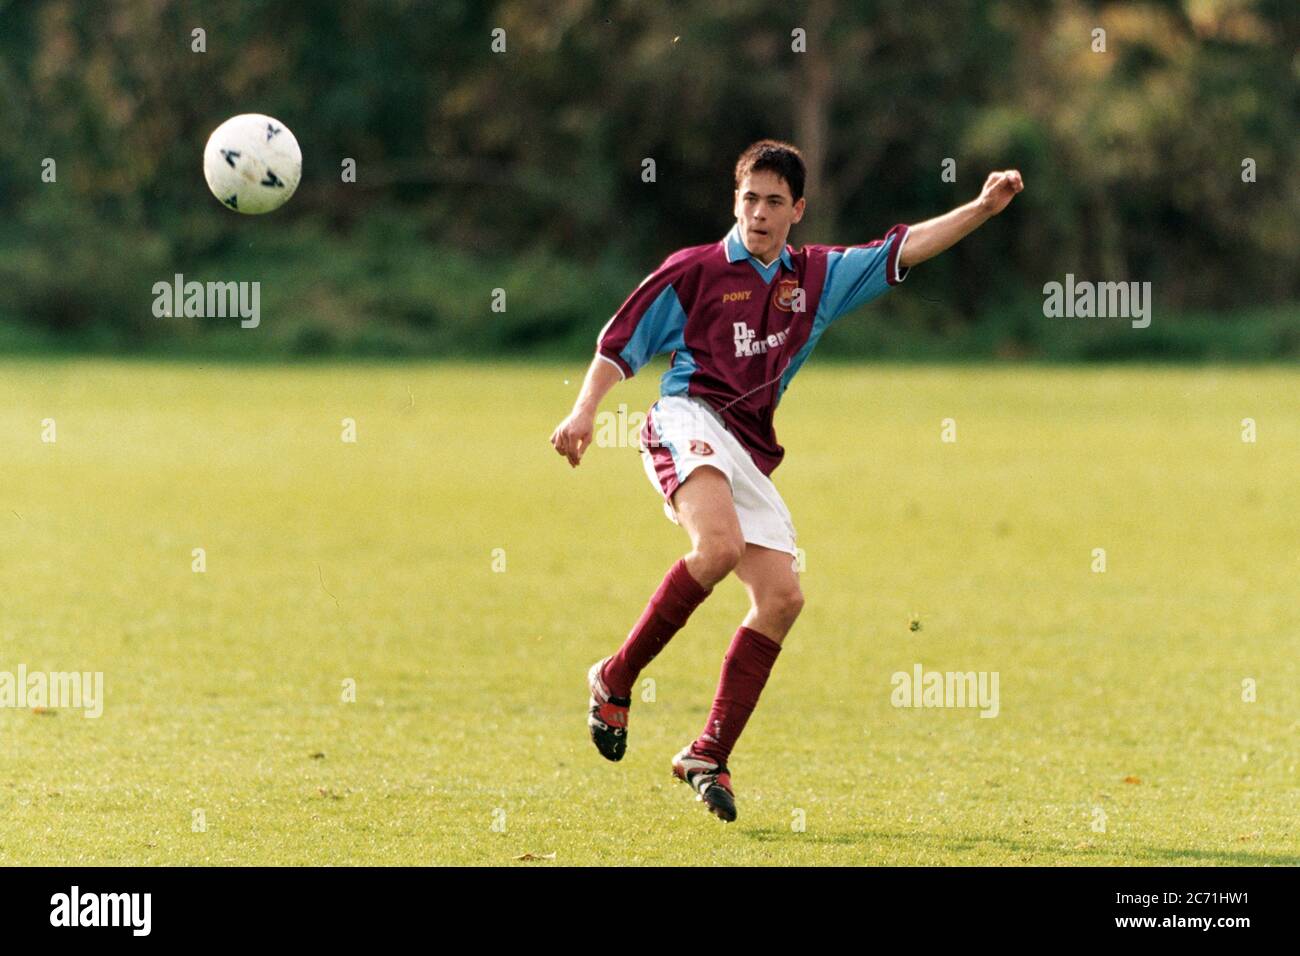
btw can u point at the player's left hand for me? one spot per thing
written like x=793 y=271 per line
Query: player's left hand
x=999 y=189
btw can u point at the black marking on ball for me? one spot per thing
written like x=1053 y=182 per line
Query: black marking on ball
x=232 y=201
x=230 y=155
x=272 y=130
x=272 y=180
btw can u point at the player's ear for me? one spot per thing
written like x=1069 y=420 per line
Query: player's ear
x=799 y=208
x=735 y=203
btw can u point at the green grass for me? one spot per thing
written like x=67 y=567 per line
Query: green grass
x=373 y=562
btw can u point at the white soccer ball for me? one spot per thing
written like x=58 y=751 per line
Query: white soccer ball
x=252 y=163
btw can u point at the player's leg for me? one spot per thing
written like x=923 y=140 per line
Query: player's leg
x=704 y=508
x=776 y=599
x=773 y=588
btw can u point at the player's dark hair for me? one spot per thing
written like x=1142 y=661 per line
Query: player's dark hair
x=784 y=159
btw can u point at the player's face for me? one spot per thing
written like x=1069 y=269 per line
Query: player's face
x=765 y=212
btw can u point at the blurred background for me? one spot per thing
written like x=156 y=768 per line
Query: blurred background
x=522 y=169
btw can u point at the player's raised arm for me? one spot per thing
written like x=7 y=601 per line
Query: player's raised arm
x=572 y=437
x=927 y=239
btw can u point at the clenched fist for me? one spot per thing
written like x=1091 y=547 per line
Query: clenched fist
x=999 y=189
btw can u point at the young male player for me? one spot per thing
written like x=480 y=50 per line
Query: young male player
x=740 y=317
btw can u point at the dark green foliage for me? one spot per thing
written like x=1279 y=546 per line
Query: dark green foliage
x=522 y=170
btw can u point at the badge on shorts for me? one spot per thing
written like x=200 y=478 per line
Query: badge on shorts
x=699 y=447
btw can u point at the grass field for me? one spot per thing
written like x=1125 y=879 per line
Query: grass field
x=1121 y=693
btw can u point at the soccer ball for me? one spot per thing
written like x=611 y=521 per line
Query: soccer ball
x=252 y=163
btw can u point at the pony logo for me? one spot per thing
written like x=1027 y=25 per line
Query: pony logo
x=699 y=447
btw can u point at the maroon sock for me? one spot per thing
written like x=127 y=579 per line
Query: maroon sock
x=679 y=594
x=745 y=667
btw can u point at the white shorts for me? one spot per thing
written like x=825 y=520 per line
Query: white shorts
x=681 y=434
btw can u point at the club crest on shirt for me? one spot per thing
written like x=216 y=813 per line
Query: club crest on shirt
x=786 y=295
x=699 y=447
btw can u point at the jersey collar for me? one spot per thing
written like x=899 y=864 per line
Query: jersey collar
x=736 y=252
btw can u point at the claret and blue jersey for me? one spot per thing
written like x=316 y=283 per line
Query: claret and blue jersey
x=738 y=331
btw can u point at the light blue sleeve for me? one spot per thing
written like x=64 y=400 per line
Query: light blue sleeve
x=857 y=274
x=649 y=323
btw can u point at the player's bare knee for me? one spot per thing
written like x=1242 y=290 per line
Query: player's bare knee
x=783 y=604
x=725 y=555
x=719 y=554
x=795 y=603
